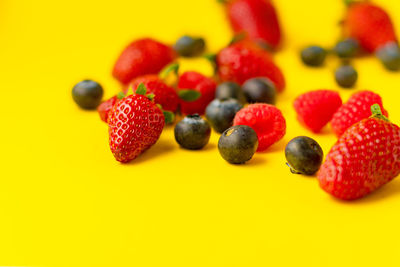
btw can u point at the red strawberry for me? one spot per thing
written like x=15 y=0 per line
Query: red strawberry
x=266 y=120
x=369 y=24
x=356 y=109
x=315 y=109
x=144 y=56
x=364 y=158
x=240 y=62
x=105 y=107
x=135 y=125
x=165 y=95
x=256 y=18
x=200 y=83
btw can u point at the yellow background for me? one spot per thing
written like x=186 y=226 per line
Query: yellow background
x=65 y=201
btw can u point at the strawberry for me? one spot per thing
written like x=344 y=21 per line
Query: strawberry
x=316 y=108
x=135 y=124
x=196 y=82
x=239 y=62
x=164 y=95
x=144 y=56
x=369 y=24
x=354 y=110
x=364 y=158
x=256 y=18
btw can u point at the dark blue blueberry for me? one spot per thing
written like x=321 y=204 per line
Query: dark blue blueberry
x=390 y=56
x=347 y=48
x=187 y=46
x=304 y=155
x=220 y=113
x=193 y=132
x=313 y=56
x=87 y=94
x=346 y=76
x=260 y=90
x=230 y=90
x=238 y=144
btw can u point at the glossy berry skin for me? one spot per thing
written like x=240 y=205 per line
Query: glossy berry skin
x=87 y=94
x=266 y=120
x=257 y=18
x=144 y=56
x=220 y=113
x=238 y=144
x=196 y=81
x=230 y=90
x=239 y=62
x=369 y=24
x=193 y=132
x=347 y=48
x=316 y=108
x=164 y=94
x=260 y=90
x=389 y=55
x=364 y=158
x=188 y=46
x=105 y=107
x=134 y=126
x=346 y=76
x=358 y=107
x=313 y=56
x=304 y=155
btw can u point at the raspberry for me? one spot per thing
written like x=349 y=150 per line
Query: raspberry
x=315 y=109
x=196 y=81
x=358 y=107
x=266 y=120
x=105 y=107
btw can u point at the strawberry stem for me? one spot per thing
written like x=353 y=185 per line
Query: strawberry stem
x=377 y=112
x=141 y=89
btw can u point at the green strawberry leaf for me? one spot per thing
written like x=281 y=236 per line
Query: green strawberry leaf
x=120 y=95
x=159 y=106
x=150 y=96
x=211 y=57
x=237 y=38
x=174 y=67
x=169 y=117
x=189 y=95
x=141 y=89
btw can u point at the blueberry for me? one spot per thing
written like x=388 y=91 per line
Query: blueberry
x=220 y=113
x=260 y=90
x=238 y=144
x=87 y=94
x=347 y=48
x=187 y=46
x=193 y=132
x=390 y=56
x=304 y=155
x=313 y=56
x=346 y=76
x=230 y=90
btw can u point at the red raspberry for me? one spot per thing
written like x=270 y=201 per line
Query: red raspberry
x=266 y=120
x=164 y=95
x=196 y=81
x=315 y=109
x=358 y=107
x=105 y=107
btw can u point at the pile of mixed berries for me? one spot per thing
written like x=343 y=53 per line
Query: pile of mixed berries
x=239 y=101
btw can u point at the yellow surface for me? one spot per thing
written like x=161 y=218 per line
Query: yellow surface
x=65 y=201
